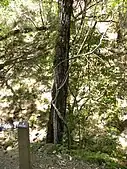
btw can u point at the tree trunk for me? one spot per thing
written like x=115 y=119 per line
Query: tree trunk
x=61 y=72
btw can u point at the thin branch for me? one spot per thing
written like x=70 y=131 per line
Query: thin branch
x=88 y=53
x=92 y=51
x=94 y=4
x=82 y=12
x=86 y=38
x=40 y=9
x=29 y=18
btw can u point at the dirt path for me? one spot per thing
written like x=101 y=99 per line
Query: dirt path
x=43 y=160
x=44 y=157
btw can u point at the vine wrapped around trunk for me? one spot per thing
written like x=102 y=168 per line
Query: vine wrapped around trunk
x=61 y=64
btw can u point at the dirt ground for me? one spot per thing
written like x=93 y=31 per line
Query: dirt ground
x=43 y=160
x=43 y=156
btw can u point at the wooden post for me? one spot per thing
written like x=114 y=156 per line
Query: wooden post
x=24 y=146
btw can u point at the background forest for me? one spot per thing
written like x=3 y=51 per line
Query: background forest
x=95 y=125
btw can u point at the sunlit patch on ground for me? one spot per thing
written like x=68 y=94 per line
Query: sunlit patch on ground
x=37 y=135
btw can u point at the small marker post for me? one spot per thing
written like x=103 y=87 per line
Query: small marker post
x=24 y=145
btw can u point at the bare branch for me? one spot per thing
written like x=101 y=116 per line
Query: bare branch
x=29 y=18
x=40 y=9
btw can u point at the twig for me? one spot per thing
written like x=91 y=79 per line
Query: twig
x=40 y=9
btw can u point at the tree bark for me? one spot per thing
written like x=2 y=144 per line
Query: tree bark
x=61 y=73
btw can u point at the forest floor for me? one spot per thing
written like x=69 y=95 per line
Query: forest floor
x=44 y=159
x=43 y=156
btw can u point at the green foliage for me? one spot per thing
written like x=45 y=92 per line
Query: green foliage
x=4 y=3
x=97 y=157
x=97 y=78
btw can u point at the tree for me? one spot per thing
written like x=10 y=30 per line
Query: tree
x=97 y=73
x=61 y=72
